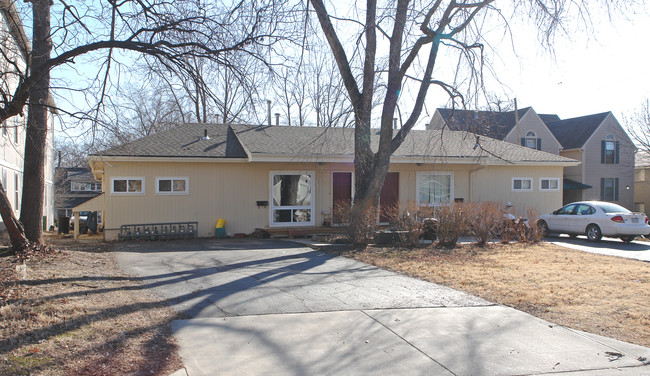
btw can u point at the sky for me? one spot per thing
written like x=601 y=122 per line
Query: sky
x=587 y=73
x=603 y=69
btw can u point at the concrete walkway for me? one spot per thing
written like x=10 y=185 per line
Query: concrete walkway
x=278 y=308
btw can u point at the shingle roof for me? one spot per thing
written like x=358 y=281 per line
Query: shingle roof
x=547 y=118
x=184 y=140
x=79 y=174
x=486 y=123
x=312 y=143
x=573 y=133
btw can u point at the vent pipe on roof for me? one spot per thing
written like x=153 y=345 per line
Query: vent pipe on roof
x=216 y=119
x=205 y=135
x=394 y=123
x=517 y=119
x=277 y=118
x=268 y=108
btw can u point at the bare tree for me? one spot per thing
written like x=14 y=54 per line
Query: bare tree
x=170 y=32
x=413 y=35
x=638 y=126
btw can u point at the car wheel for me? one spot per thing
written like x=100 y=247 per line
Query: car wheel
x=573 y=236
x=628 y=238
x=593 y=233
x=542 y=227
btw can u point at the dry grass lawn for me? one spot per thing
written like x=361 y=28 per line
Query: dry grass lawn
x=76 y=313
x=604 y=295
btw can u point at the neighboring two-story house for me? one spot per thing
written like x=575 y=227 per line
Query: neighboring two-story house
x=607 y=156
x=16 y=50
x=598 y=141
x=642 y=182
x=74 y=186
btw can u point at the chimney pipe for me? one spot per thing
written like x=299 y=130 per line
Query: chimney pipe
x=394 y=123
x=277 y=118
x=205 y=135
x=268 y=105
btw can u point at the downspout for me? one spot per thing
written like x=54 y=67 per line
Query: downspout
x=517 y=121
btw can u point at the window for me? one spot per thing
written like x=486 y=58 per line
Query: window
x=127 y=186
x=16 y=197
x=609 y=189
x=291 y=198
x=549 y=184
x=435 y=188
x=609 y=150
x=522 y=184
x=566 y=210
x=85 y=187
x=172 y=186
x=531 y=141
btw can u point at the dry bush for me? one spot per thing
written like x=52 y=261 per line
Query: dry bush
x=531 y=233
x=360 y=232
x=483 y=219
x=409 y=221
x=451 y=223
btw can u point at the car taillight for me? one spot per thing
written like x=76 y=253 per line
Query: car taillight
x=618 y=218
x=646 y=219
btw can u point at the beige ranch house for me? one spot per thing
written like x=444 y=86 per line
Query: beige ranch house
x=277 y=177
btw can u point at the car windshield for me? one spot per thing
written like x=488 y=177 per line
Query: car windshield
x=610 y=208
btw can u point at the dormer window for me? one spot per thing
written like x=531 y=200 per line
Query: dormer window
x=531 y=141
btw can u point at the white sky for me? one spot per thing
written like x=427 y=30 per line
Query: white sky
x=589 y=73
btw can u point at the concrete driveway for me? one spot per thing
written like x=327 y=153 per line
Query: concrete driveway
x=274 y=307
x=638 y=249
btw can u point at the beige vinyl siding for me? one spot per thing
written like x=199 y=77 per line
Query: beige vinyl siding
x=531 y=122
x=594 y=170
x=437 y=122
x=574 y=172
x=642 y=189
x=494 y=184
x=230 y=191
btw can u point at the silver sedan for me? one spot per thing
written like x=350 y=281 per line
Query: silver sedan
x=595 y=219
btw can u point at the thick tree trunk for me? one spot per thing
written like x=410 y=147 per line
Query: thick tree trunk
x=14 y=228
x=31 y=212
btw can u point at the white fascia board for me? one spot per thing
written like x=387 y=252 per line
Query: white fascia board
x=534 y=163
x=107 y=158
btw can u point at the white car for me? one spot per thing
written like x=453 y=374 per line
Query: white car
x=595 y=219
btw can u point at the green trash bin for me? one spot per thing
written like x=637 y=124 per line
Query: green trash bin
x=220 y=232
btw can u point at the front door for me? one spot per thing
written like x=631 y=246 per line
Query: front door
x=341 y=194
x=389 y=196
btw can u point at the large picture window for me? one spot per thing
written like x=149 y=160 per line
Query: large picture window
x=127 y=186
x=435 y=188
x=172 y=186
x=292 y=198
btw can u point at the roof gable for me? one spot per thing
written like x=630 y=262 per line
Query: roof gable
x=573 y=133
x=485 y=123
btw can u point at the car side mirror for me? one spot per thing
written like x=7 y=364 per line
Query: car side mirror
x=555 y=212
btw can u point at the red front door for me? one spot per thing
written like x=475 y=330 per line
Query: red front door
x=389 y=196
x=341 y=192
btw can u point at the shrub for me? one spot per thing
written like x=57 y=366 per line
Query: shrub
x=451 y=224
x=360 y=231
x=483 y=220
x=409 y=222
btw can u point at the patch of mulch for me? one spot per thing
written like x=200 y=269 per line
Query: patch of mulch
x=71 y=311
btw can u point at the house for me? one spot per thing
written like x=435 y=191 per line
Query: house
x=606 y=153
x=16 y=49
x=642 y=183
x=292 y=177
x=74 y=186
x=598 y=141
